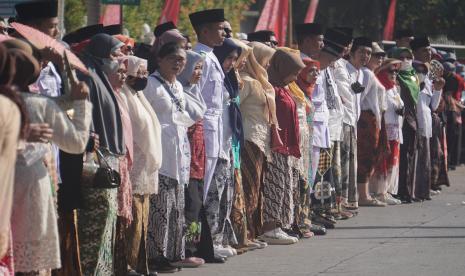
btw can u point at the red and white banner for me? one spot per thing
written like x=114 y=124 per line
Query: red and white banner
x=311 y=12
x=111 y=15
x=390 y=20
x=170 y=11
x=274 y=17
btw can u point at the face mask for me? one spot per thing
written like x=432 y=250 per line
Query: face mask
x=109 y=65
x=406 y=65
x=139 y=84
x=421 y=77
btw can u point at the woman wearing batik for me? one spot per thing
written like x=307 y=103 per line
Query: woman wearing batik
x=409 y=93
x=306 y=81
x=166 y=221
x=147 y=158
x=98 y=215
x=258 y=110
x=278 y=186
x=385 y=180
x=117 y=76
x=220 y=194
x=195 y=106
x=238 y=213
x=38 y=251
x=300 y=166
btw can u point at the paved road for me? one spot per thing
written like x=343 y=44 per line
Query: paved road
x=416 y=239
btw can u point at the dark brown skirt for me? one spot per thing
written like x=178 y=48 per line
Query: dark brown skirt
x=367 y=145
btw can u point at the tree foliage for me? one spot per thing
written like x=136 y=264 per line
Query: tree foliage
x=149 y=12
x=75 y=11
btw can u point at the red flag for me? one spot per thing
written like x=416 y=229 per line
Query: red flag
x=274 y=17
x=391 y=18
x=111 y=15
x=310 y=17
x=170 y=12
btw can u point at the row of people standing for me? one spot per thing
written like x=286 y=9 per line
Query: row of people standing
x=223 y=149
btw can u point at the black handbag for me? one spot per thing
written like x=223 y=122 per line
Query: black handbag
x=105 y=177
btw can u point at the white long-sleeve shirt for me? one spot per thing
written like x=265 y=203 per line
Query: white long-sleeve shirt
x=345 y=74
x=211 y=85
x=427 y=101
x=373 y=98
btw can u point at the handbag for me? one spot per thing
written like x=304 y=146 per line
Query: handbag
x=101 y=175
x=275 y=139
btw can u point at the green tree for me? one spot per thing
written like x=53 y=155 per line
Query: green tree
x=149 y=12
x=75 y=12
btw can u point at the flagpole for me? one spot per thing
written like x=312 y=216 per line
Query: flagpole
x=290 y=27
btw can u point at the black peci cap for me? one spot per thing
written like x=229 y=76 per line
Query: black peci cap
x=362 y=41
x=207 y=16
x=36 y=10
x=261 y=36
x=403 y=33
x=163 y=27
x=308 y=29
x=338 y=37
x=419 y=42
x=83 y=34
x=113 y=29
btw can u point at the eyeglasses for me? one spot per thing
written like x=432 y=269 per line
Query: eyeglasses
x=393 y=71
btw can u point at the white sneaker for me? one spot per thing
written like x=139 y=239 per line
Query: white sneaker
x=276 y=236
x=234 y=251
x=390 y=200
x=220 y=250
x=261 y=243
x=286 y=234
x=435 y=192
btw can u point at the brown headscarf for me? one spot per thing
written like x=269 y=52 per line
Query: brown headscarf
x=27 y=69
x=283 y=64
x=169 y=36
x=7 y=73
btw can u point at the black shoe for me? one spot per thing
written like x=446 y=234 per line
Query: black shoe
x=132 y=272
x=152 y=273
x=318 y=229
x=162 y=265
x=321 y=220
x=215 y=260
x=417 y=199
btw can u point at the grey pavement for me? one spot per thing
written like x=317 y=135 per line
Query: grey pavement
x=415 y=239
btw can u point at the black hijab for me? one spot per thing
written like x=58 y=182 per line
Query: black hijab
x=106 y=118
x=232 y=85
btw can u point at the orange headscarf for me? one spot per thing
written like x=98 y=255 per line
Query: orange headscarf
x=307 y=87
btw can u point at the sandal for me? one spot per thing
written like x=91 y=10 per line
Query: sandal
x=372 y=202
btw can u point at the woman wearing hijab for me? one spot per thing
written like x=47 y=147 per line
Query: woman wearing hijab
x=300 y=166
x=117 y=77
x=278 y=210
x=409 y=93
x=238 y=217
x=220 y=194
x=173 y=35
x=13 y=126
x=385 y=179
x=38 y=251
x=258 y=111
x=195 y=106
x=98 y=215
x=306 y=82
x=147 y=158
x=166 y=218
